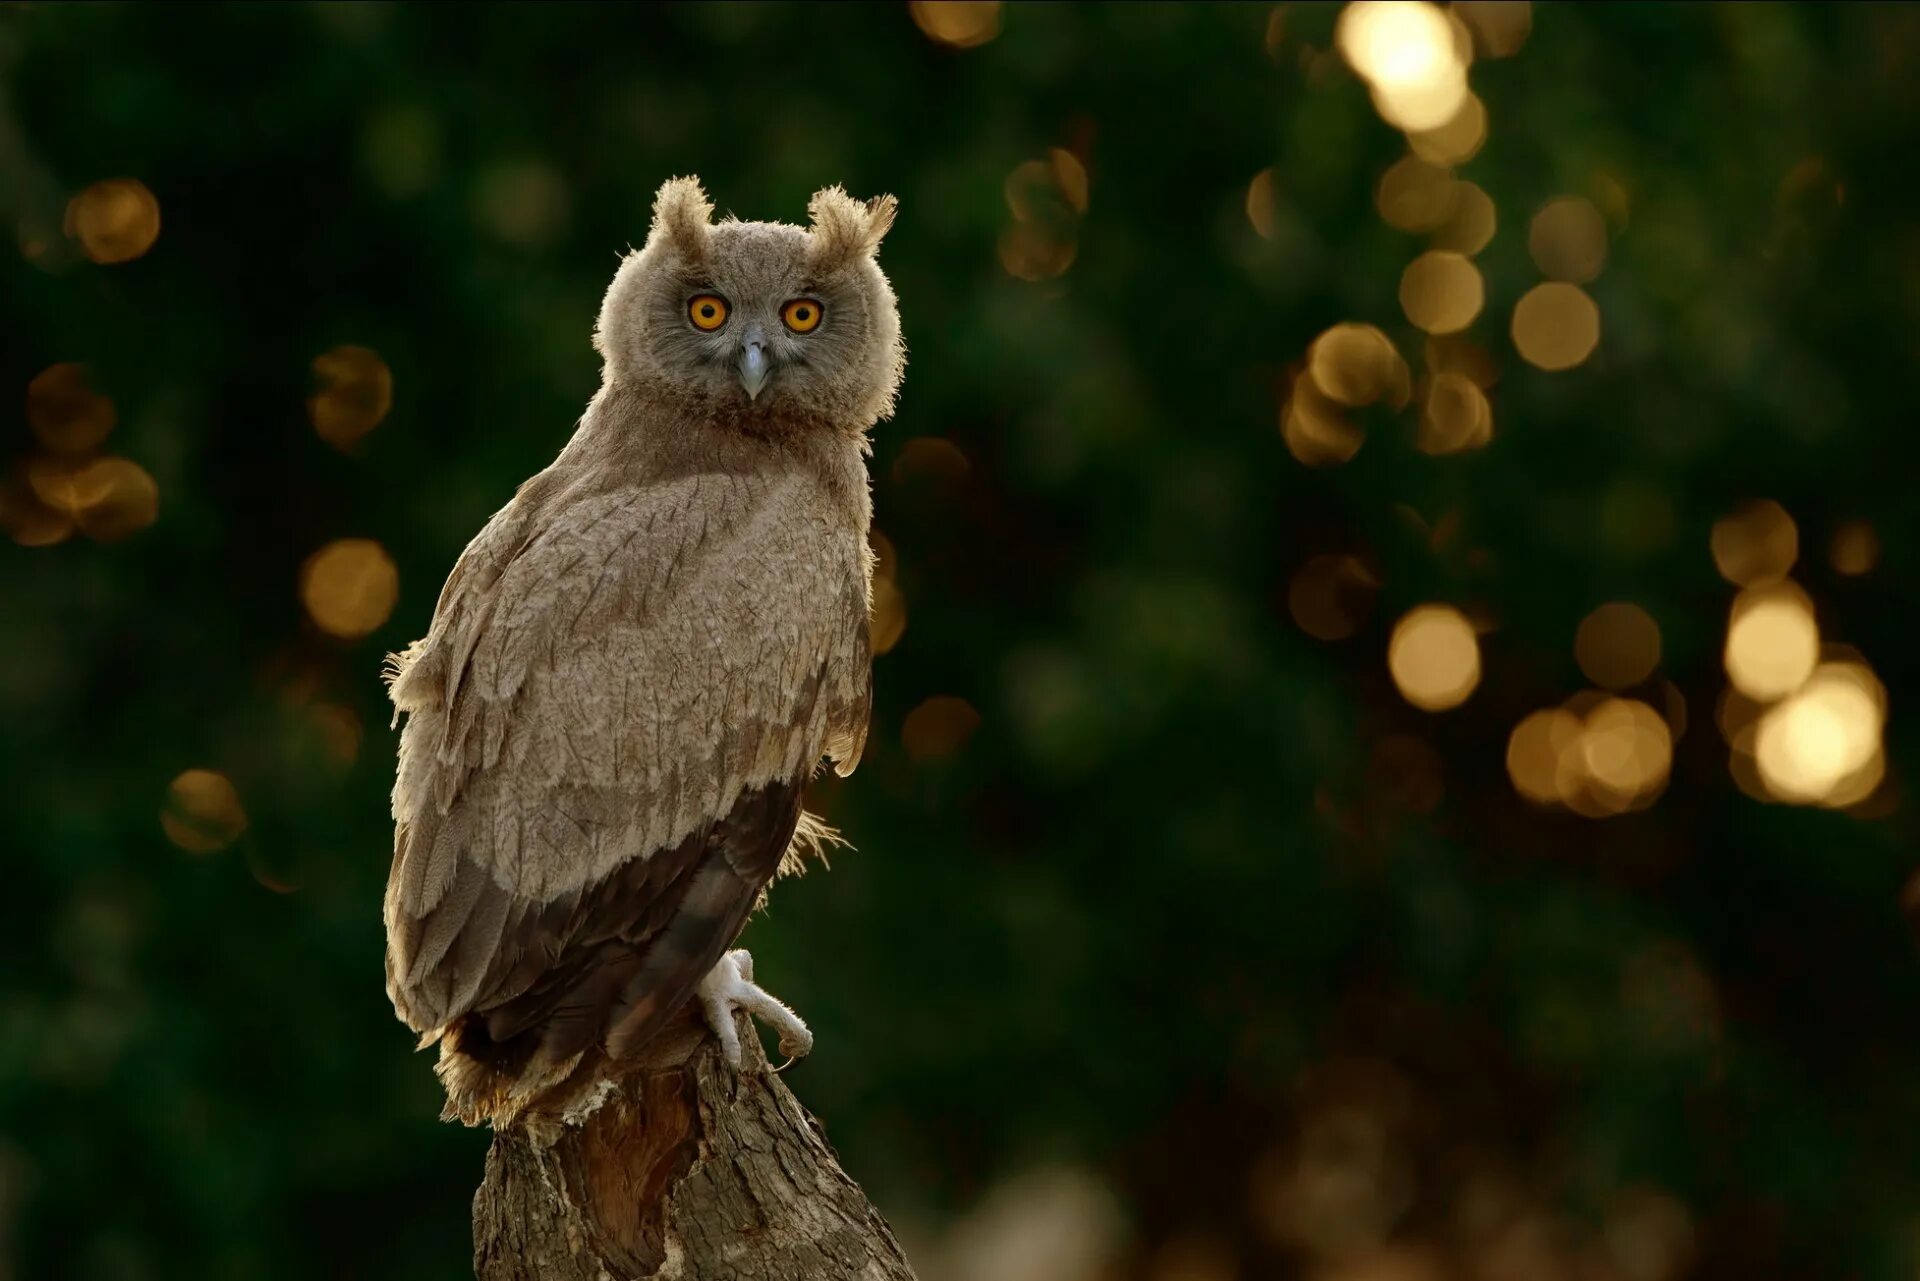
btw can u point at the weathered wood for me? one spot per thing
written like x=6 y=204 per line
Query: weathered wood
x=680 y=1169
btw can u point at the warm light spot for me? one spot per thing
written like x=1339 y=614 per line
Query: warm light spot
x=1358 y=365
x=1030 y=251
x=350 y=586
x=116 y=497
x=1627 y=751
x=1434 y=657
x=1568 y=240
x=1755 y=544
x=1855 y=549
x=28 y=520
x=959 y=24
x=1816 y=746
x=1260 y=203
x=938 y=727
x=1458 y=140
x=1535 y=750
x=1315 y=430
x=930 y=458
x=1276 y=32
x=108 y=498
x=1555 y=326
x=1772 y=641
x=1454 y=417
x=1331 y=596
x=1416 y=196
x=355 y=392
x=1411 y=54
x=1617 y=645
x=67 y=415
x=1032 y=189
x=1499 y=27
x=114 y=221
x=888 y=621
x=1441 y=292
x=1069 y=177
x=339 y=731
x=523 y=202
x=1471 y=224
x=1648 y=1234
x=203 y=812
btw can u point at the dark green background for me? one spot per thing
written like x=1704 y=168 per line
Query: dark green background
x=1159 y=911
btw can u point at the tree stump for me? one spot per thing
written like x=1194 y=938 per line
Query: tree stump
x=677 y=1168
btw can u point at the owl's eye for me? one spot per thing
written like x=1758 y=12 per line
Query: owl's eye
x=707 y=311
x=802 y=315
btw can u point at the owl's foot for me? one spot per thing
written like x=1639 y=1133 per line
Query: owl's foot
x=729 y=986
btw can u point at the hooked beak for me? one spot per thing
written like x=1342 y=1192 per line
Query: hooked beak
x=754 y=367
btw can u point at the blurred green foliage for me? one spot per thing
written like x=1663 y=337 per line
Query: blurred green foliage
x=1170 y=907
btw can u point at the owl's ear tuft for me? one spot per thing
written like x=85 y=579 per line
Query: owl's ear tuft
x=682 y=216
x=844 y=229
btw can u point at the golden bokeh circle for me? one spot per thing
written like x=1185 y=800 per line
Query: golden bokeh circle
x=350 y=587
x=1756 y=543
x=1773 y=641
x=1454 y=417
x=958 y=24
x=1355 y=364
x=1555 y=326
x=1617 y=645
x=1855 y=549
x=1568 y=240
x=1434 y=657
x=65 y=412
x=1331 y=596
x=114 y=221
x=202 y=812
x=1442 y=292
x=355 y=392
x=938 y=727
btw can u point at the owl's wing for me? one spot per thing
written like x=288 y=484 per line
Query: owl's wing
x=609 y=725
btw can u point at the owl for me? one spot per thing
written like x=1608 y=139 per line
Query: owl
x=637 y=664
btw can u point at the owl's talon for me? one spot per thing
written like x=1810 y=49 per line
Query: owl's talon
x=728 y=987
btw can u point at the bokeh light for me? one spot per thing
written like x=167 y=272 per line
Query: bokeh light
x=1356 y=365
x=1855 y=549
x=1823 y=744
x=1260 y=203
x=1555 y=326
x=350 y=587
x=1314 y=428
x=1617 y=645
x=1756 y=543
x=1331 y=596
x=65 y=412
x=1535 y=749
x=1458 y=140
x=1568 y=240
x=114 y=221
x=1415 y=195
x=938 y=727
x=1410 y=53
x=1597 y=756
x=1434 y=657
x=1499 y=27
x=959 y=24
x=1772 y=641
x=202 y=812
x=107 y=498
x=1470 y=226
x=888 y=620
x=354 y=393
x=1454 y=416
x=1441 y=292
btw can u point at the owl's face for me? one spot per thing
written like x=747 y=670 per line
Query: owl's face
x=765 y=325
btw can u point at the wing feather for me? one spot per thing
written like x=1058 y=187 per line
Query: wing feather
x=610 y=673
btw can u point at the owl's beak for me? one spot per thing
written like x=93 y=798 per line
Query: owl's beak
x=754 y=367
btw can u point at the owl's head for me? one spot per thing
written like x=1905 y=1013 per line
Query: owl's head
x=765 y=325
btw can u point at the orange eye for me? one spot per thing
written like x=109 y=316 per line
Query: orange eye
x=707 y=311
x=802 y=315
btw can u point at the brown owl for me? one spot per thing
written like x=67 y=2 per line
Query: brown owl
x=637 y=664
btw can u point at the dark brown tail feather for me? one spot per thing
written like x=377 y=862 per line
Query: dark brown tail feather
x=632 y=963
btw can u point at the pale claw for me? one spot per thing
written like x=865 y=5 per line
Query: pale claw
x=729 y=986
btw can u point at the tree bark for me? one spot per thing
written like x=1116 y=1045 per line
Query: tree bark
x=677 y=1169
